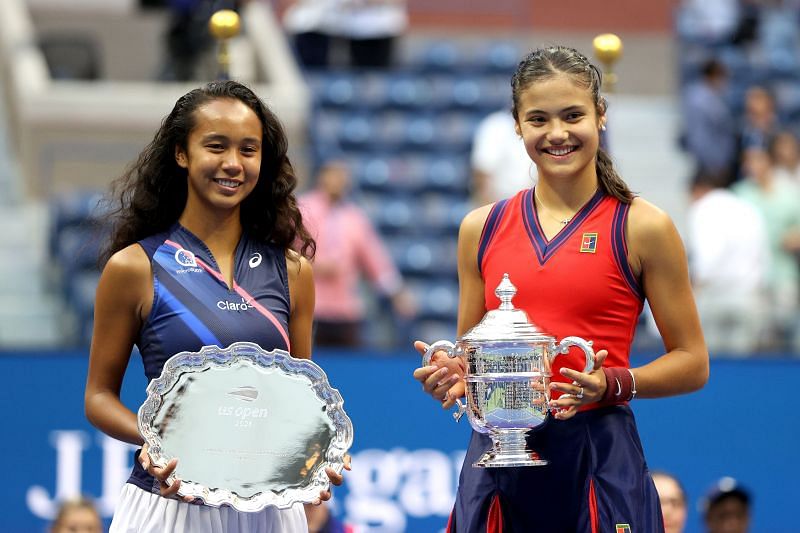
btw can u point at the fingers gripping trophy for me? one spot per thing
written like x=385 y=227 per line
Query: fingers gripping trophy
x=508 y=363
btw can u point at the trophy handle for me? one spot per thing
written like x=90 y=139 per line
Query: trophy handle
x=586 y=346
x=449 y=348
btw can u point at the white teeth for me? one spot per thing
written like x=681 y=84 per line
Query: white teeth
x=228 y=183
x=560 y=151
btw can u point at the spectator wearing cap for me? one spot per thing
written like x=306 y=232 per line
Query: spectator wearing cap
x=726 y=507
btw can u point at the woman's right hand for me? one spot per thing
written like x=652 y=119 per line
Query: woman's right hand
x=443 y=378
x=161 y=474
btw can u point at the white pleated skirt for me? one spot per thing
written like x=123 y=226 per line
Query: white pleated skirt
x=139 y=511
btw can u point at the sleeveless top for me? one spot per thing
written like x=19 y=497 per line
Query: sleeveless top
x=194 y=307
x=578 y=283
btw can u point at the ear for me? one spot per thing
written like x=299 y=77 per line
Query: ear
x=180 y=157
x=517 y=129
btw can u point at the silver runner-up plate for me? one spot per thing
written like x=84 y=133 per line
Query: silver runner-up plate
x=250 y=428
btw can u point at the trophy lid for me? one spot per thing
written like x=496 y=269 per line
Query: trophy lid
x=506 y=323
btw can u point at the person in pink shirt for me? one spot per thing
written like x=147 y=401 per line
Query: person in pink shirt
x=347 y=248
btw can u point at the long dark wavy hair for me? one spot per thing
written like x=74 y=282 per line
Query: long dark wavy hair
x=545 y=63
x=151 y=195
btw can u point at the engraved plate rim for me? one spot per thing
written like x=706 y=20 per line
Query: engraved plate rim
x=248 y=352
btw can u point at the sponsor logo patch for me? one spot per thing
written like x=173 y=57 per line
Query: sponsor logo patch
x=255 y=260
x=185 y=258
x=589 y=243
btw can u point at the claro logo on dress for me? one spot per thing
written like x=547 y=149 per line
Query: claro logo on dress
x=227 y=305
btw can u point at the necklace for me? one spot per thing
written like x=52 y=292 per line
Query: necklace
x=562 y=221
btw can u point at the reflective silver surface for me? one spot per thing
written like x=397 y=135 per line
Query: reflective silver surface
x=250 y=428
x=508 y=363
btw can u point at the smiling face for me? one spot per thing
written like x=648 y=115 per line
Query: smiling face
x=222 y=156
x=559 y=125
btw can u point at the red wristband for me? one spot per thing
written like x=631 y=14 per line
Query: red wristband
x=619 y=386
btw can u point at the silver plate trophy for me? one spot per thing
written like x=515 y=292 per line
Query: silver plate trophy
x=508 y=367
x=250 y=428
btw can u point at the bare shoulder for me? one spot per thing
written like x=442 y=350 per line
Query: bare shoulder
x=299 y=272
x=130 y=264
x=651 y=232
x=126 y=282
x=301 y=282
x=297 y=264
x=472 y=225
x=647 y=221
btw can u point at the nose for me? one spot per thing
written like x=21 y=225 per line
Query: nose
x=232 y=163
x=558 y=132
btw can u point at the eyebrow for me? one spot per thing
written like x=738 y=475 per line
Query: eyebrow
x=565 y=110
x=219 y=136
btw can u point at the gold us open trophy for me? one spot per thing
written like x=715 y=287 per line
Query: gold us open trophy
x=607 y=50
x=224 y=25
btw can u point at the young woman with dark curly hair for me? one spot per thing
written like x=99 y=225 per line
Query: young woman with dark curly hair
x=206 y=215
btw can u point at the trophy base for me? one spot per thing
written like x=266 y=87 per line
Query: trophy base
x=509 y=448
x=492 y=459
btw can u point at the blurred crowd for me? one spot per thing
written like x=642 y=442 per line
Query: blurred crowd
x=739 y=64
x=724 y=508
x=741 y=108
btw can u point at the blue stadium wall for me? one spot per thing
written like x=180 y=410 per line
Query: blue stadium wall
x=407 y=451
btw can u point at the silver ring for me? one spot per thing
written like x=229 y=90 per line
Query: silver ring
x=580 y=394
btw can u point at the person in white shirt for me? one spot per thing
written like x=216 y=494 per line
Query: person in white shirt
x=729 y=260
x=367 y=29
x=500 y=164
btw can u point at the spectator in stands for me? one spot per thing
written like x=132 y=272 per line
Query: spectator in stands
x=761 y=121
x=673 y=501
x=777 y=201
x=77 y=516
x=307 y=22
x=785 y=153
x=347 y=245
x=203 y=252
x=709 y=127
x=367 y=31
x=500 y=165
x=779 y=35
x=729 y=261
x=187 y=39
x=709 y=21
x=726 y=507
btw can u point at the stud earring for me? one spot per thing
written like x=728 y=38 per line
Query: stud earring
x=603 y=127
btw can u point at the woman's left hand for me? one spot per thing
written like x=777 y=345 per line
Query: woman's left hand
x=585 y=388
x=336 y=479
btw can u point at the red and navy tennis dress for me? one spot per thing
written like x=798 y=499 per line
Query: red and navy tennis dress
x=577 y=283
x=194 y=307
